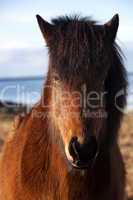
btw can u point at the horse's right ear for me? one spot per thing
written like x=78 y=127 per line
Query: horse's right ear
x=45 y=27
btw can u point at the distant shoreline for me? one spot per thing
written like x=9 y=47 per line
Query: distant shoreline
x=26 y=78
x=40 y=77
x=12 y=108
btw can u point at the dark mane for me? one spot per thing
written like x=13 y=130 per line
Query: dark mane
x=116 y=82
x=80 y=58
x=79 y=43
x=82 y=43
x=72 y=18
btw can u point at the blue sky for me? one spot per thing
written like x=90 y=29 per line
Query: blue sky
x=22 y=49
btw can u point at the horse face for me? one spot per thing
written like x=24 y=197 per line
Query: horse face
x=80 y=57
x=78 y=131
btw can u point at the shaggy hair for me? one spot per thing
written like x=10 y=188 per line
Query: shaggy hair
x=33 y=166
x=81 y=51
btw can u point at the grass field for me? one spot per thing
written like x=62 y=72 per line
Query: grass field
x=126 y=143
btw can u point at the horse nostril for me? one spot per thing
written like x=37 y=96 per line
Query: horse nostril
x=83 y=152
x=74 y=148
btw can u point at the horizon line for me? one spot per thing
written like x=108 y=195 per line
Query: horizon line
x=38 y=77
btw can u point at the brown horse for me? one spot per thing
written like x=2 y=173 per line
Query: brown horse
x=66 y=147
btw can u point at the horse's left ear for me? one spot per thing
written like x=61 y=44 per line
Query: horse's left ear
x=111 y=27
x=45 y=27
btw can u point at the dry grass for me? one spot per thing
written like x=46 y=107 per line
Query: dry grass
x=126 y=143
x=5 y=124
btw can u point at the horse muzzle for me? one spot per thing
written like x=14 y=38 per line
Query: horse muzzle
x=83 y=154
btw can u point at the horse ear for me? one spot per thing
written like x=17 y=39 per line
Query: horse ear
x=111 y=27
x=45 y=27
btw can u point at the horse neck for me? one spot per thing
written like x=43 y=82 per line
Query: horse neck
x=39 y=148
